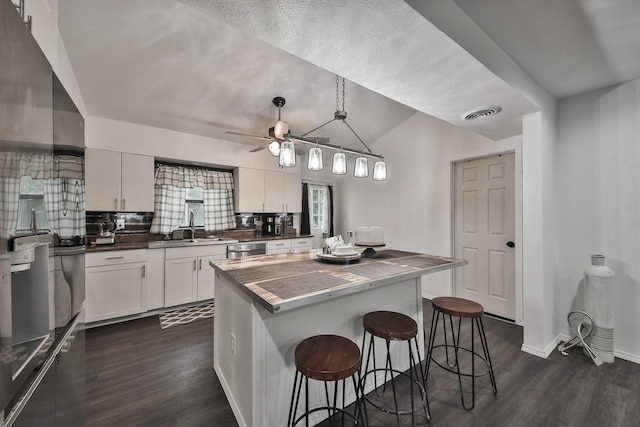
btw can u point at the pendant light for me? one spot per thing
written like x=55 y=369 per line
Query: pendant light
x=379 y=170
x=362 y=167
x=339 y=164
x=314 y=162
x=287 y=154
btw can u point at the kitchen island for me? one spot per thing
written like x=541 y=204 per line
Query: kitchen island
x=266 y=305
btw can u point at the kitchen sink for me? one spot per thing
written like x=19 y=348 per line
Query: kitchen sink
x=191 y=242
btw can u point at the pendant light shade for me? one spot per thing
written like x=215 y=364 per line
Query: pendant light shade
x=274 y=148
x=339 y=164
x=379 y=170
x=287 y=154
x=314 y=162
x=362 y=168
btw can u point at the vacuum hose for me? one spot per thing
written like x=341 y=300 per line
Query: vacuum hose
x=582 y=331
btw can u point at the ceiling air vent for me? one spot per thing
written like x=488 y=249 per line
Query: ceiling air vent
x=485 y=112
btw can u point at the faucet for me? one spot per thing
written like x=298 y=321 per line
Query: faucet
x=191 y=226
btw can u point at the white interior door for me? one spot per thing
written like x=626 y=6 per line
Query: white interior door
x=485 y=233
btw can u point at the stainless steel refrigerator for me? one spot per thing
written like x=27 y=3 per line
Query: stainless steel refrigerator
x=42 y=232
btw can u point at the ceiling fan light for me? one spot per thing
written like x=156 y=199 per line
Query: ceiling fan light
x=314 y=162
x=274 y=148
x=287 y=154
x=339 y=163
x=379 y=170
x=280 y=129
x=362 y=168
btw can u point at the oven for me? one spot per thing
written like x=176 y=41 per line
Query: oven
x=241 y=250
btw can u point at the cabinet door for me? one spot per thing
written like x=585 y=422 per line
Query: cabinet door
x=137 y=183
x=249 y=190
x=180 y=281
x=115 y=290
x=102 y=180
x=206 y=277
x=273 y=191
x=292 y=192
x=155 y=284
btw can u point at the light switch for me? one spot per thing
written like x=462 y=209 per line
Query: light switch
x=120 y=224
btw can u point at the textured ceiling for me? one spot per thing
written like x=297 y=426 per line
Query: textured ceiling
x=569 y=47
x=204 y=68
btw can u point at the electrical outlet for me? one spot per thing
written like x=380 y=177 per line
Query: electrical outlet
x=120 y=224
x=233 y=344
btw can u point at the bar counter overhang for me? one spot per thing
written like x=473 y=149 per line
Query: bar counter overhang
x=265 y=305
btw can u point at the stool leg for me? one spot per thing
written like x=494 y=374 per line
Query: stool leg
x=292 y=411
x=432 y=338
x=393 y=384
x=420 y=374
x=485 y=348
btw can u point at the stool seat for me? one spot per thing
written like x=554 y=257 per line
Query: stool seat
x=327 y=357
x=390 y=325
x=458 y=307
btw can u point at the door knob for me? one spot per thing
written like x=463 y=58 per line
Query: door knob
x=511 y=244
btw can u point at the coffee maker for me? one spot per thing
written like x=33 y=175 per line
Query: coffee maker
x=271 y=225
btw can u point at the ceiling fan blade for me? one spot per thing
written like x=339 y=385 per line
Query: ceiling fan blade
x=262 y=147
x=264 y=138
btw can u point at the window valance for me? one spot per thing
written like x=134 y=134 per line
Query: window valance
x=188 y=177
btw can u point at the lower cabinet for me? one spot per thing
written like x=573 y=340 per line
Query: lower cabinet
x=116 y=284
x=188 y=277
x=283 y=246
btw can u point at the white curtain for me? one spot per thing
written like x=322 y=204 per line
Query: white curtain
x=170 y=185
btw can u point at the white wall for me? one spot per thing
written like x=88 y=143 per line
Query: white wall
x=133 y=138
x=598 y=204
x=414 y=204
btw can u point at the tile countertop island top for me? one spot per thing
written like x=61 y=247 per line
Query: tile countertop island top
x=288 y=281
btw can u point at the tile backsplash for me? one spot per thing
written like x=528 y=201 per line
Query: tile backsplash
x=133 y=222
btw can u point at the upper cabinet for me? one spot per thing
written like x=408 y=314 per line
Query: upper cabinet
x=118 y=181
x=267 y=191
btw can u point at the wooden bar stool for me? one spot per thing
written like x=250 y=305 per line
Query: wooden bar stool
x=460 y=308
x=392 y=326
x=326 y=358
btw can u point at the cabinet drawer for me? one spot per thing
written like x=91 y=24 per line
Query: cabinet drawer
x=195 y=251
x=302 y=244
x=94 y=259
x=278 y=245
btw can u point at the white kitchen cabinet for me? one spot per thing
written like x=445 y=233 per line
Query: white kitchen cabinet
x=187 y=274
x=267 y=191
x=249 y=190
x=116 y=284
x=279 y=246
x=155 y=282
x=283 y=246
x=119 y=182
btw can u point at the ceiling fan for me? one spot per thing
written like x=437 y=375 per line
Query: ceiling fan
x=279 y=133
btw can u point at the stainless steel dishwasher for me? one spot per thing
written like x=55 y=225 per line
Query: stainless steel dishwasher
x=240 y=250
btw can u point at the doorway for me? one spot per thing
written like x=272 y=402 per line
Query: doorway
x=484 y=233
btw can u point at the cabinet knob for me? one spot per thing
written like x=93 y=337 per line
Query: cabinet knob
x=115 y=203
x=511 y=244
x=123 y=208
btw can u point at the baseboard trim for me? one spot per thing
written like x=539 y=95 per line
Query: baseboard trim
x=630 y=357
x=541 y=352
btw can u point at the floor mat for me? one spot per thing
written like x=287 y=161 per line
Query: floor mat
x=186 y=315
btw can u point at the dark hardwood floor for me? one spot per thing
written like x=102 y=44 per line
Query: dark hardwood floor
x=140 y=375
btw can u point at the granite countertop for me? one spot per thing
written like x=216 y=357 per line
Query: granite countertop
x=287 y=281
x=124 y=241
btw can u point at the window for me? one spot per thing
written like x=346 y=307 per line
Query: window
x=31 y=198
x=194 y=202
x=319 y=208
